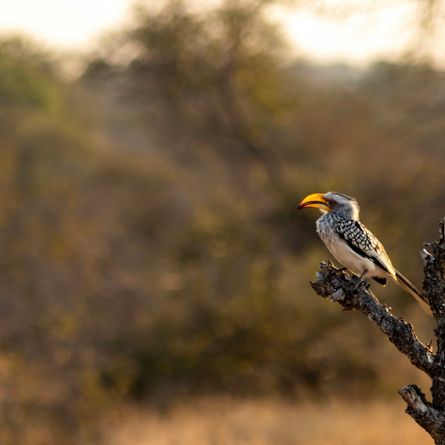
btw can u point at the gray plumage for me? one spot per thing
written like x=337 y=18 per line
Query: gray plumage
x=352 y=244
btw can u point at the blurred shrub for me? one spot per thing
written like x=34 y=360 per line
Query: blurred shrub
x=151 y=247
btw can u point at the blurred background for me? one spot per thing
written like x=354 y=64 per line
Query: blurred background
x=154 y=276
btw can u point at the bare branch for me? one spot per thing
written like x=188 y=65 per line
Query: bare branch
x=423 y=412
x=434 y=284
x=351 y=293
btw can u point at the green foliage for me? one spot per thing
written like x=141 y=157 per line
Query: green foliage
x=26 y=76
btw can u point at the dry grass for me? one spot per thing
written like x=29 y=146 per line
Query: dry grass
x=229 y=422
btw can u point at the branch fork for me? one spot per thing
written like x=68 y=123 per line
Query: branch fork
x=352 y=293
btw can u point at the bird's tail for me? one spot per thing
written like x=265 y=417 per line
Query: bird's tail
x=409 y=287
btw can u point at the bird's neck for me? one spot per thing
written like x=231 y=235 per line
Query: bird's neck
x=349 y=214
x=337 y=215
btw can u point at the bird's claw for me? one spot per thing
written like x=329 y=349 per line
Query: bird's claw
x=361 y=281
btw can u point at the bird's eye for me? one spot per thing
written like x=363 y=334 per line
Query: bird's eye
x=331 y=203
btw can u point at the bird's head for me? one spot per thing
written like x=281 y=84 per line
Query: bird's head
x=332 y=202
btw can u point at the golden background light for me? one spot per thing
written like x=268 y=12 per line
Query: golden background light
x=362 y=36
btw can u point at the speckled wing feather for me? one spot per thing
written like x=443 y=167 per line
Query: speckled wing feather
x=364 y=243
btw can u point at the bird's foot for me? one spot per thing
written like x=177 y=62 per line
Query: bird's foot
x=361 y=280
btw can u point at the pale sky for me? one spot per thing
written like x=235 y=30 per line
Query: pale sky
x=357 y=38
x=62 y=24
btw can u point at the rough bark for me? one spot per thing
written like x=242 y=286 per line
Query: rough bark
x=352 y=293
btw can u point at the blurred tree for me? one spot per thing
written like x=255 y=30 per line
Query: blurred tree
x=209 y=78
x=147 y=221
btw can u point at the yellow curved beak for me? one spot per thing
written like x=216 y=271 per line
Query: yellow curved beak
x=316 y=200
